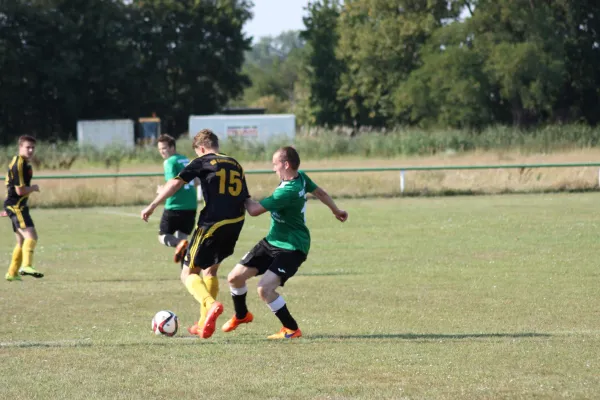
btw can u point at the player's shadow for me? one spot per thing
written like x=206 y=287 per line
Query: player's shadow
x=434 y=336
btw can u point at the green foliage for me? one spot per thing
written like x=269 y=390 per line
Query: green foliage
x=524 y=56
x=435 y=64
x=64 y=61
x=380 y=43
x=273 y=66
x=193 y=56
x=323 y=68
x=451 y=88
x=431 y=64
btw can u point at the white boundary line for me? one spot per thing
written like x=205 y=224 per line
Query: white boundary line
x=48 y=343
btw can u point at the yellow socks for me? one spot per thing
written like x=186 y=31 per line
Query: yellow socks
x=212 y=285
x=15 y=262
x=28 y=246
x=195 y=285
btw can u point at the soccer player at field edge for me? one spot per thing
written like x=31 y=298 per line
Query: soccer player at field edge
x=179 y=216
x=278 y=256
x=224 y=189
x=18 y=188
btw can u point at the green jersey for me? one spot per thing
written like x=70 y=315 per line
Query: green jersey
x=185 y=198
x=287 y=205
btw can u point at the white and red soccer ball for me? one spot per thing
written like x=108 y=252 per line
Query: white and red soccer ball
x=165 y=323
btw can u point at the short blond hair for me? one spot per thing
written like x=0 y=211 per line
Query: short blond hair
x=206 y=138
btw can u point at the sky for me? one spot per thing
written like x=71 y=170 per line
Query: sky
x=271 y=17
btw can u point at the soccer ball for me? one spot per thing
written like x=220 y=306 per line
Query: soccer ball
x=165 y=323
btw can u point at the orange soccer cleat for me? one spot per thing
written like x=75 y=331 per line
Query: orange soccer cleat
x=286 y=333
x=234 y=322
x=208 y=328
x=194 y=329
x=180 y=251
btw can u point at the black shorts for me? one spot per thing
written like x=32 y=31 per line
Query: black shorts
x=211 y=244
x=177 y=220
x=20 y=217
x=266 y=257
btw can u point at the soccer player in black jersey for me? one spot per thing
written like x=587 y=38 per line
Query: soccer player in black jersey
x=19 y=187
x=224 y=189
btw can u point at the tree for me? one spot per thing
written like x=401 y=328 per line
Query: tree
x=55 y=56
x=579 y=98
x=324 y=69
x=381 y=43
x=66 y=60
x=520 y=62
x=451 y=87
x=273 y=66
x=191 y=56
x=524 y=55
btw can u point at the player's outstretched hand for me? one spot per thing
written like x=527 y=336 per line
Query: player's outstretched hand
x=341 y=215
x=146 y=213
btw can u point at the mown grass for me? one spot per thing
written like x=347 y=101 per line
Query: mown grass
x=490 y=297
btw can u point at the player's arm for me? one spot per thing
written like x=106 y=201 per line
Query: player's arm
x=168 y=190
x=26 y=190
x=322 y=195
x=254 y=208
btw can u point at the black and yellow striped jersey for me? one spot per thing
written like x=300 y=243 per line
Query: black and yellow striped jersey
x=223 y=186
x=19 y=175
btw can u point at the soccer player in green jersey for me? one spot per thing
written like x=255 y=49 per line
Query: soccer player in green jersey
x=179 y=215
x=19 y=187
x=224 y=190
x=278 y=256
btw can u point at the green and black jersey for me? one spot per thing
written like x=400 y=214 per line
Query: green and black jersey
x=185 y=198
x=287 y=205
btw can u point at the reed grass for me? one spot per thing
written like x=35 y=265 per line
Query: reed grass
x=137 y=191
x=320 y=144
x=328 y=149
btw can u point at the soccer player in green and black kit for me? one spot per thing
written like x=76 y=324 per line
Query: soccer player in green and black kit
x=278 y=256
x=179 y=216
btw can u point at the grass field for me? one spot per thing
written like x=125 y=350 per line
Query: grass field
x=486 y=297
